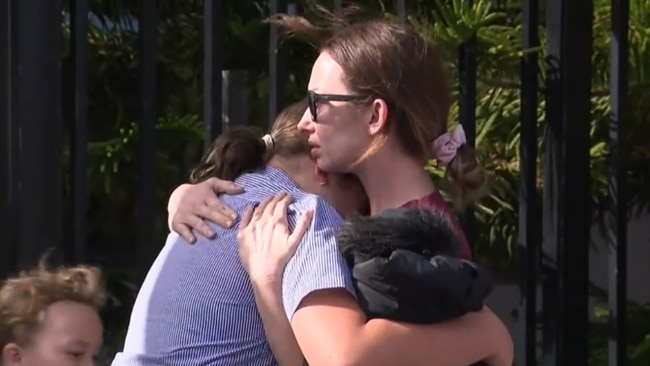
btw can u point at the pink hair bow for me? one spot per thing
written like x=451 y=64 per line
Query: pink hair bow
x=445 y=147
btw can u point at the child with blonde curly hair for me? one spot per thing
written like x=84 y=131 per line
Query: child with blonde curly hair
x=50 y=316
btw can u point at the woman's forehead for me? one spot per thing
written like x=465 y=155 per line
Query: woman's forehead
x=326 y=75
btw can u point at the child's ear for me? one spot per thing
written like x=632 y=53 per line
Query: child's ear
x=11 y=354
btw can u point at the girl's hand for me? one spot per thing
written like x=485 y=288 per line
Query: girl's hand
x=190 y=205
x=265 y=242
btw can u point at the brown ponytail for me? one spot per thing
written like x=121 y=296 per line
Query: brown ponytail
x=469 y=177
x=237 y=151
x=242 y=150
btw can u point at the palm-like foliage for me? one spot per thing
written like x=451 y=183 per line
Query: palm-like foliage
x=498 y=46
x=114 y=103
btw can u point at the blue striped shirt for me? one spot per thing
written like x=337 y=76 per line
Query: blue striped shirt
x=196 y=305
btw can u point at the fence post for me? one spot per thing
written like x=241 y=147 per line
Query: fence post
x=616 y=217
x=213 y=33
x=233 y=92
x=79 y=129
x=32 y=141
x=529 y=212
x=8 y=154
x=146 y=205
x=277 y=64
x=567 y=215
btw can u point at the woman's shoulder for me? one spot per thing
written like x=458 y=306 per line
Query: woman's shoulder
x=418 y=230
x=432 y=201
x=436 y=203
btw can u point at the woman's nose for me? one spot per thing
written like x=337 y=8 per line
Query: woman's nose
x=306 y=124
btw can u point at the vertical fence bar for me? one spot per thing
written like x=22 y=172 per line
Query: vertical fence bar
x=616 y=216
x=529 y=221
x=567 y=214
x=36 y=124
x=467 y=115
x=213 y=38
x=8 y=143
x=278 y=71
x=147 y=37
x=78 y=140
x=233 y=98
x=400 y=9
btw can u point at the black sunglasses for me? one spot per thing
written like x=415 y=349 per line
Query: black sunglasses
x=314 y=98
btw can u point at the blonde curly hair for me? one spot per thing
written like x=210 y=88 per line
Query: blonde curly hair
x=25 y=297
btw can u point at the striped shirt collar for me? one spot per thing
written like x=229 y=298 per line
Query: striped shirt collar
x=274 y=180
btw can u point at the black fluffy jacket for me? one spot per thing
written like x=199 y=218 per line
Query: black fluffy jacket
x=405 y=267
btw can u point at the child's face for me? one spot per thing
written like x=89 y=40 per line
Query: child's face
x=346 y=194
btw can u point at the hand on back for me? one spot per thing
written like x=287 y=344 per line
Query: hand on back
x=191 y=205
x=266 y=243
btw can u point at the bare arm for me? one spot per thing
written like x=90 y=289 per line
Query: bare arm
x=265 y=266
x=277 y=328
x=332 y=330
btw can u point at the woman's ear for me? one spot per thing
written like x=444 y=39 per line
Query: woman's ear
x=379 y=117
x=11 y=354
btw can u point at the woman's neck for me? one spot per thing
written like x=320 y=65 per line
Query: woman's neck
x=392 y=178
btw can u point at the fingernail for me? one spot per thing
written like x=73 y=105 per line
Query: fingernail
x=233 y=215
x=228 y=223
x=212 y=234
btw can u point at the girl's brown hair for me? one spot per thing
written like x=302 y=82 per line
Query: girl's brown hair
x=25 y=297
x=242 y=150
x=390 y=60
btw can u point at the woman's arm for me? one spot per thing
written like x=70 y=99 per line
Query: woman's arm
x=283 y=344
x=265 y=265
x=332 y=330
x=190 y=205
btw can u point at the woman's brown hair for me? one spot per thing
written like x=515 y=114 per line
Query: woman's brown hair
x=389 y=60
x=25 y=297
x=242 y=150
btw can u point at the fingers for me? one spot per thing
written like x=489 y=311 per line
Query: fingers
x=244 y=233
x=269 y=212
x=174 y=201
x=299 y=231
x=261 y=208
x=219 y=212
x=224 y=186
x=198 y=224
x=280 y=209
x=270 y=209
x=184 y=231
x=246 y=218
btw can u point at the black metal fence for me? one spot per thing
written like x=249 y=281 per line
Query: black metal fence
x=31 y=141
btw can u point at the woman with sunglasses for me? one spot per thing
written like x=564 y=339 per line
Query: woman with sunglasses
x=378 y=108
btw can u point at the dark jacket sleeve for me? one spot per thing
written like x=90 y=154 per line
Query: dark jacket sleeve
x=405 y=267
x=408 y=287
